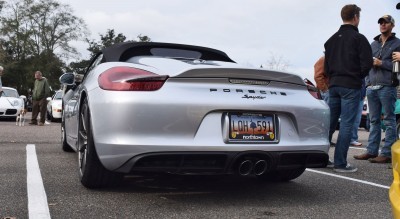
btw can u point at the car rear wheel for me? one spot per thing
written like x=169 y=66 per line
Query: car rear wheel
x=91 y=172
x=282 y=175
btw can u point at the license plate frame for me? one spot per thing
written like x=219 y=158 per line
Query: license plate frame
x=250 y=127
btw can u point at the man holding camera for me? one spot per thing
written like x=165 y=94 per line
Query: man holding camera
x=382 y=93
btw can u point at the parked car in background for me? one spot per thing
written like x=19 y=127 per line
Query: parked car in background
x=181 y=109
x=394 y=192
x=54 y=106
x=10 y=103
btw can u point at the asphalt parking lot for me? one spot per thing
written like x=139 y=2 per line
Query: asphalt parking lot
x=318 y=193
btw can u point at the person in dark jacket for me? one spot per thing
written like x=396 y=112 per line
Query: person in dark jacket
x=348 y=59
x=382 y=93
x=41 y=91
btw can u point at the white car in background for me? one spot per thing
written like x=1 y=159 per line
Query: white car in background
x=10 y=103
x=54 y=106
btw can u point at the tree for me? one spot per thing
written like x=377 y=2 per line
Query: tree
x=276 y=62
x=108 y=39
x=36 y=35
x=143 y=38
x=53 y=27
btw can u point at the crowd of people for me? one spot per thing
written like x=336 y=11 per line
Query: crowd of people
x=350 y=70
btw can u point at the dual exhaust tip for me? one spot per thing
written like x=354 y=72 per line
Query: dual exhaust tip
x=247 y=167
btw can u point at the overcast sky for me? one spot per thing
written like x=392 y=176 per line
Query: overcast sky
x=249 y=31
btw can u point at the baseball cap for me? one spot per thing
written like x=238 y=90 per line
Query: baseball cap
x=386 y=18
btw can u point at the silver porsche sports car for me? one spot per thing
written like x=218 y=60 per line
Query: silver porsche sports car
x=182 y=109
x=11 y=103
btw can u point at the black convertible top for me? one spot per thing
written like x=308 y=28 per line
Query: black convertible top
x=123 y=51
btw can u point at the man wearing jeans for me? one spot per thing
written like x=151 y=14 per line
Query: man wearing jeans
x=41 y=91
x=354 y=136
x=382 y=93
x=348 y=59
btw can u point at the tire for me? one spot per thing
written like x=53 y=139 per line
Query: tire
x=281 y=175
x=48 y=116
x=64 y=145
x=92 y=173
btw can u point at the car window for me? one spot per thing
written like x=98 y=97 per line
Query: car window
x=10 y=93
x=96 y=62
x=58 y=96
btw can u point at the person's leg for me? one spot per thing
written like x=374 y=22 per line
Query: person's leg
x=388 y=96
x=350 y=99
x=334 y=106
x=354 y=134
x=43 y=105
x=35 y=112
x=368 y=123
x=375 y=110
x=325 y=96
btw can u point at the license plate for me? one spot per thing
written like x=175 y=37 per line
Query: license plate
x=252 y=127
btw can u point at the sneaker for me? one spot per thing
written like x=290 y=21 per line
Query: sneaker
x=356 y=143
x=32 y=123
x=330 y=164
x=40 y=124
x=347 y=169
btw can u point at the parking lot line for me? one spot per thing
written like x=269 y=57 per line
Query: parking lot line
x=37 y=199
x=357 y=148
x=348 y=178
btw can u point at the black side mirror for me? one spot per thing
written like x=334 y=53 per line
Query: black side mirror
x=67 y=79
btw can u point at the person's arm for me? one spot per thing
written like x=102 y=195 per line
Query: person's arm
x=396 y=56
x=365 y=54
x=387 y=62
x=46 y=88
x=319 y=75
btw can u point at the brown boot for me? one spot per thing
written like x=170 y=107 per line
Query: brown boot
x=365 y=156
x=380 y=159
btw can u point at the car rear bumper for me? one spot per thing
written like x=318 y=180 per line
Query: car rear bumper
x=131 y=126
x=57 y=113
x=221 y=162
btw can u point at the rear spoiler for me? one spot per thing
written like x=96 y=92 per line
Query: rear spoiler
x=238 y=73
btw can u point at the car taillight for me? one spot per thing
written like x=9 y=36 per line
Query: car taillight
x=130 y=79
x=312 y=89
